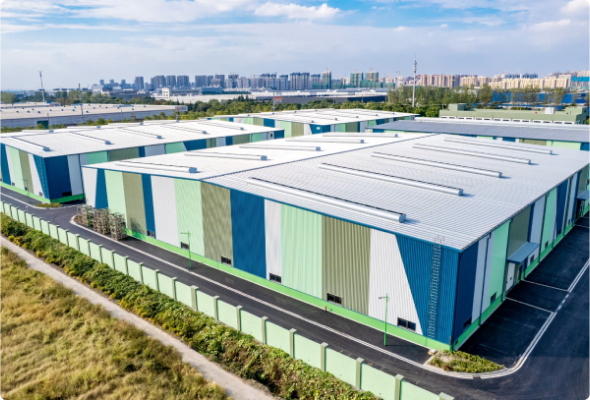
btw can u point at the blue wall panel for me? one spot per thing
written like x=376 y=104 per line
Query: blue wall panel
x=279 y=134
x=465 y=288
x=141 y=151
x=586 y=146
x=58 y=169
x=148 y=203
x=561 y=201
x=5 y=170
x=247 y=214
x=417 y=258
x=508 y=139
x=269 y=122
x=40 y=164
x=446 y=295
x=195 y=144
x=101 y=190
x=229 y=141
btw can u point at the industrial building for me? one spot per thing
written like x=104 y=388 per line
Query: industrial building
x=575 y=137
x=570 y=115
x=27 y=116
x=46 y=165
x=439 y=225
x=314 y=121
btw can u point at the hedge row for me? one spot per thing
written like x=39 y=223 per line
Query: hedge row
x=237 y=352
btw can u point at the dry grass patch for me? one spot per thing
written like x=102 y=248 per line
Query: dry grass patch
x=458 y=361
x=56 y=345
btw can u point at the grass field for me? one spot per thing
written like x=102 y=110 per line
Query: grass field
x=56 y=345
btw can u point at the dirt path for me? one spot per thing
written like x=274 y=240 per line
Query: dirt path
x=234 y=386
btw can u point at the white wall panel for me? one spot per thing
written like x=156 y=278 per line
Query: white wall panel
x=488 y=272
x=306 y=130
x=89 y=176
x=155 y=150
x=572 y=200
x=164 y=197
x=388 y=276
x=37 y=187
x=75 y=174
x=537 y=224
x=479 y=277
x=272 y=224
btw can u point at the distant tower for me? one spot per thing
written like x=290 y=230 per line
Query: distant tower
x=414 y=88
x=42 y=90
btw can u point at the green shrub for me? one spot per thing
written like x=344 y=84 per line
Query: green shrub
x=50 y=205
x=237 y=352
x=459 y=361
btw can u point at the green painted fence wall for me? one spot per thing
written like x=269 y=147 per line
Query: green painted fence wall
x=413 y=392
x=277 y=336
x=37 y=223
x=29 y=219
x=251 y=325
x=378 y=382
x=84 y=248
x=190 y=214
x=227 y=314
x=22 y=217
x=45 y=227
x=166 y=285
x=149 y=277
x=95 y=252
x=341 y=366
x=107 y=257
x=134 y=270
x=183 y=293
x=53 y=231
x=62 y=235
x=121 y=264
x=205 y=304
x=73 y=241
x=307 y=351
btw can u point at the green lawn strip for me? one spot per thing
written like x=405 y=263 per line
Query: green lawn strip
x=237 y=352
x=458 y=361
x=49 y=205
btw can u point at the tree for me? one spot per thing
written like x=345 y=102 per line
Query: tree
x=8 y=97
x=485 y=95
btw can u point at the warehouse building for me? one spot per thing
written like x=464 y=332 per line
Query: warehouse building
x=307 y=122
x=24 y=116
x=575 y=137
x=443 y=226
x=570 y=115
x=46 y=165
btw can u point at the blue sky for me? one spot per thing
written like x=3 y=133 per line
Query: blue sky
x=81 y=41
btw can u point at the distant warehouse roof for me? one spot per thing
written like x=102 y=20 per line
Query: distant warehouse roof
x=566 y=133
x=430 y=187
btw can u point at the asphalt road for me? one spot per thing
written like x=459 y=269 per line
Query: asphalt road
x=556 y=369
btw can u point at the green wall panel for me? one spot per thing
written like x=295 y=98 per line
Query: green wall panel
x=95 y=252
x=17 y=172
x=52 y=230
x=205 y=304
x=498 y=262
x=341 y=366
x=549 y=220
x=211 y=143
x=62 y=234
x=183 y=294
x=175 y=147
x=565 y=145
x=217 y=222
x=346 y=260
x=190 y=214
x=123 y=154
x=134 y=205
x=121 y=263
x=352 y=127
x=241 y=139
x=378 y=382
x=297 y=129
x=227 y=314
x=115 y=192
x=73 y=241
x=286 y=126
x=107 y=257
x=413 y=392
x=134 y=270
x=251 y=325
x=30 y=222
x=257 y=137
x=22 y=217
x=519 y=230
x=301 y=243
x=26 y=170
x=277 y=336
x=308 y=351
x=166 y=285
x=535 y=142
x=84 y=249
x=97 y=157
x=149 y=277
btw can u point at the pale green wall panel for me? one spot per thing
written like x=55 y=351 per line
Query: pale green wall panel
x=341 y=128
x=307 y=350
x=378 y=382
x=17 y=171
x=134 y=205
x=26 y=171
x=565 y=145
x=190 y=213
x=251 y=325
x=498 y=260
x=115 y=192
x=346 y=260
x=341 y=366
x=205 y=303
x=149 y=277
x=175 y=147
x=227 y=314
x=97 y=157
x=519 y=230
x=301 y=244
x=217 y=225
x=286 y=126
x=549 y=220
x=413 y=392
x=277 y=336
x=124 y=154
x=134 y=270
x=166 y=285
x=183 y=294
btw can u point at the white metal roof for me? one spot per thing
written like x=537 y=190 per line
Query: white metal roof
x=391 y=186
x=89 y=110
x=78 y=140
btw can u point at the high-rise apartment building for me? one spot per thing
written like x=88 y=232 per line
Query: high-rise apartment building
x=300 y=81
x=158 y=81
x=182 y=81
x=138 y=83
x=315 y=81
x=326 y=80
x=372 y=76
x=356 y=78
x=171 y=81
x=218 y=80
x=232 y=81
x=200 y=80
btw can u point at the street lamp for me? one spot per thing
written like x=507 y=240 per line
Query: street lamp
x=190 y=263
x=386 y=297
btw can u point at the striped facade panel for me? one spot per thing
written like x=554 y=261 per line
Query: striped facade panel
x=4 y=165
x=519 y=230
x=352 y=127
x=209 y=143
x=155 y=150
x=75 y=174
x=90 y=175
x=387 y=277
x=307 y=130
x=571 y=201
x=59 y=184
x=537 y=221
x=247 y=215
x=297 y=129
x=286 y=126
x=116 y=193
x=175 y=148
x=258 y=121
x=301 y=250
x=346 y=259
x=16 y=171
x=148 y=203
x=272 y=225
x=164 y=198
x=363 y=125
x=466 y=284
x=134 y=202
x=124 y=154
x=217 y=224
x=417 y=258
x=583 y=180
x=549 y=220
x=26 y=169
x=37 y=187
x=190 y=214
x=535 y=142
x=497 y=264
x=96 y=157
x=447 y=294
x=480 y=275
x=102 y=199
x=241 y=139
x=560 y=211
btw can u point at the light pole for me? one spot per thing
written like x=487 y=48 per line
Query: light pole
x=386 y=297
x=190 y=263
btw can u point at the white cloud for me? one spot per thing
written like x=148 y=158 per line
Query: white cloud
x=550 y=25
x=12 y=28
x=295 y=11
x=574 y=7
x=444 y=26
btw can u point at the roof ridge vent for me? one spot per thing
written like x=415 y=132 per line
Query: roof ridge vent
x=172 y=168
x=334 y=201
x=281 y=147
x=454 y=150
x=152 y=135
x=361 y=135
x=88 y=137
x=393 y=179
x=226 y=155
x=185 y=129
x=229 y=126
x=39 y=146
x=490 y=143
x=328 y=140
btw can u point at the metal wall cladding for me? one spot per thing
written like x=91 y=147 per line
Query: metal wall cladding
x=116 y=192
x=352 y=127
x=16 y=171
x=270 y=123
x=97 y=157
x=466 y=283
x=363 y=125
x=75 y=174
x=102 y=200
x=154 y=150
x=89 y=176
x=482 y=252
x=59 y=184
x=571 y=200
x=164 y=198
x=272 y=223
x=582 y=181
x=190 y=214
x=485 y=303
x=40 y=165
x=301 y=248
x=297 y=129
x=26 y=170
x=346 y=260
x=519 y=230
x=388 y=277
x=241 y=139
x=37 y=186
x=198 y=144
x=417 y=258
x=217 y=225
x=148 y=202
x=175 y=148
x=340 y=128
x=249 y=247
x=537 y=221
x=134 y=202
x=219 y=142
x=498 y=261
x=535 y=142
x=124 y=154
x=258 y=121
x=4 y=165
x=447 y=295
x=549 y=220
x=209 y=143
x=307 y=130
x=286 y=126
x=560 y=210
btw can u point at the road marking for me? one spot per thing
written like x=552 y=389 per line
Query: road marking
x=530 y=305
x=540 y=284
x=582 y=226
x=579 y=276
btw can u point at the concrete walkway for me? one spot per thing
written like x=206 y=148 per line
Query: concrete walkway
x=234 y=386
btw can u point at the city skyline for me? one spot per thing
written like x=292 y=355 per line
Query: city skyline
x=252 y=36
